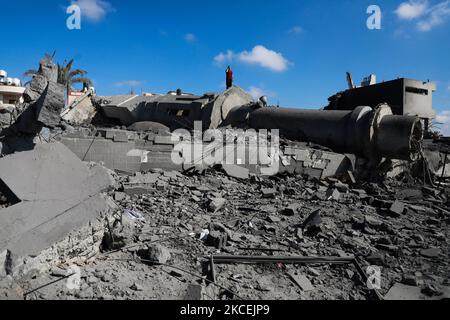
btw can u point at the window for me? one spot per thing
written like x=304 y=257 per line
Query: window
x=179 y=112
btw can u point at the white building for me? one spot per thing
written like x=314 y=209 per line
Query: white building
x=11 y=91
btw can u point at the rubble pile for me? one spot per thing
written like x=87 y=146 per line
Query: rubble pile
x=177 y=220
x=356 y=211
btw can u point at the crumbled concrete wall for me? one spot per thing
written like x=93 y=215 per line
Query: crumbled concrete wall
x=81 y=111
x=57 y=193
x=44 y=100
x=132 y=152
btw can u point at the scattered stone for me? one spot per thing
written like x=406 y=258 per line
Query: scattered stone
x=217 y=239
x=216 y=204
x=376 y=259
x=397 y=208
x=158 y=254
x=410 y=280
x=403 y=292
x=119 y=196
x=268 y=192
x=235 y=171
x=273 y=219
x=430 y=253
x=194 y=292
x=314 y=220
x=333 y=194
x=372 y=221
x=136 y=287
x=302 y=281
x=291 y=210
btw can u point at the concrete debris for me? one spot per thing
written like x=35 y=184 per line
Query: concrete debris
x=250 y=223
x=175 y=110
x=269 y=192
x=81 y=111
x=404 y=292
x=236 y=171
x=292 y=209
x=158 y=254
x=397 y=208
x=362 y=191
x=42 y=181
x=44 y=101
x=431 y=252
x=216 y=204
x=302 y=281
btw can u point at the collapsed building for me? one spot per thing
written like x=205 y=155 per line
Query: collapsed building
x=79 y=181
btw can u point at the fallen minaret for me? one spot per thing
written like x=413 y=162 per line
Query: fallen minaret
x=369 y=133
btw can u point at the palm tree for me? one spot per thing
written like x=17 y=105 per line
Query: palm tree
x=69 y=77
x=66 y=76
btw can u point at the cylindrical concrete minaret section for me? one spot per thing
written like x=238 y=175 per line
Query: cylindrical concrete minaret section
x=369 y=133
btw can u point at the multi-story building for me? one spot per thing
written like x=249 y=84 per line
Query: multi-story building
x=11 y=90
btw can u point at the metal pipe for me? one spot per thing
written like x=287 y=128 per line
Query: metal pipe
x=366 y=132
x=224 y=259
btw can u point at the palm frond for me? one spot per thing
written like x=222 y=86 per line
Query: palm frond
x=77 y=72
x=82 y=80
x=69 y=65
x=30 y=73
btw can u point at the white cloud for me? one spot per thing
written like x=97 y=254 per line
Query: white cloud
x=443 y=122
x=412 y=9
x=257 y=93
x=128 y=83
x=93 y=10
x=265 y=58
x=296 y=29
x=428 y=16
x=437 y=15
x=221 y=58
x=190 y=37
x=259 y=55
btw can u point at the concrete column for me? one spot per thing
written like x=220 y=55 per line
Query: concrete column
x=373 y=134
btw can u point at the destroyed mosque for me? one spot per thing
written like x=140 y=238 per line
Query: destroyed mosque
x=218 y=196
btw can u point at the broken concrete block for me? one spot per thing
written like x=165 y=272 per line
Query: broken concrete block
x=48 y=69
x=50 y=104
x=302 y=281
x=397 y=208
x=35 y=89
x=235 y=171
x=430 y=253
x=268 y=192
x=292 y=209
x=333 y=194
x=403 y=292
x=120 y=136
x=217 y=239
x=273 y=219
x=158 y=254
x=216 y=204
x=372 y=221
x=313 y=221
x=194 y=292
x=43 y=180
x=136 y=287
x=119 y=196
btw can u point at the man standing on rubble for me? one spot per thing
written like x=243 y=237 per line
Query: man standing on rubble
x=229 y=77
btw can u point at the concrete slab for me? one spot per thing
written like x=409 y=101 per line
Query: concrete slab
x=57 y=193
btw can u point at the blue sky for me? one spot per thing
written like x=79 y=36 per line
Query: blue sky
x=296 y=52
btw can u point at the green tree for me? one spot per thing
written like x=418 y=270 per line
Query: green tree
x=69 y=77
x=66 y=76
